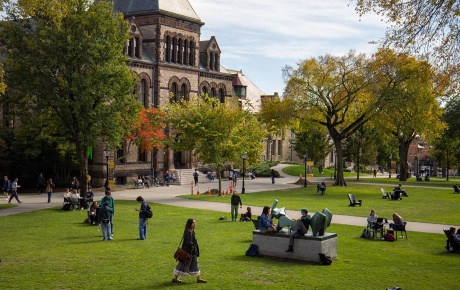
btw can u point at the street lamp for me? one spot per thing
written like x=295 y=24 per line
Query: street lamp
x=271 y=150
x=389 y=166
x=107 y=154
x=243 y=156
x=305 y=158
x=335 y=165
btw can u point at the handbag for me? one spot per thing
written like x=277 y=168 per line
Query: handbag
x=181 y=255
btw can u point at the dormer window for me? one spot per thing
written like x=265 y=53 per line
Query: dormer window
x=240 y=91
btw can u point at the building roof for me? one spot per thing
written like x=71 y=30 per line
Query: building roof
x=177 y=7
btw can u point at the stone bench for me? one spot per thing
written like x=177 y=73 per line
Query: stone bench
x=306 y=248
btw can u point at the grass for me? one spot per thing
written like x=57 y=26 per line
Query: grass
x=296 y=170
x=53 y=249
x=431 y=205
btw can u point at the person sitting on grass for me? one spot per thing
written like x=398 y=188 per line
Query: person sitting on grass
x=266 y=225
x=246 y=217
x=93 y=213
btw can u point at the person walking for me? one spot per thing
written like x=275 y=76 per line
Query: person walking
x=105 y=216
x=303 y=223
x=108 y=198
x=14 y=191
x=41 y=183
x=6 y=187
x=234 y=202
x=142 y=218
x=195 y=176
x=190 y=245
x=272 y=174
x=49 y=188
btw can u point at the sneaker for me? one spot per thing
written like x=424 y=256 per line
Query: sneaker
x=20 y=202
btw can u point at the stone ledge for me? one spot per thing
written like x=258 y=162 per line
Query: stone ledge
x=306 y=248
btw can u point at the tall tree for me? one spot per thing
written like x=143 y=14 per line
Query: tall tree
x=412 y=106
x=65 y=66
x=334 y=92
x=421 y=27
x=218 y=133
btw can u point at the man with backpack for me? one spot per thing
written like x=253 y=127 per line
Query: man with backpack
x=145 y=212
x=108 y=198
x=105 y=215
x=195 y=176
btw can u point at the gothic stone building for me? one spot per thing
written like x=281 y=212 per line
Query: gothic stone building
x=167 y=55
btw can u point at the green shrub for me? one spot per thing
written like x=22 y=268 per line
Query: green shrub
x=263 y=169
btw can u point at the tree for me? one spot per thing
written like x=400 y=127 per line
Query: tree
x=148 y=130
x=361 y=147
x=429 y=28
x=218 y=133
x=412 y=106
x=334 y=92
x=65 y=69
x=312 y=139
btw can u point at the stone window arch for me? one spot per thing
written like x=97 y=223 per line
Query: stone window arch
x=167 y=49
x=221 y=95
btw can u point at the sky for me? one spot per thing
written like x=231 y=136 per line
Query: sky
x=260 y=37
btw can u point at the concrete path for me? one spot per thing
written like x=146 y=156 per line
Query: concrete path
x=169 y=196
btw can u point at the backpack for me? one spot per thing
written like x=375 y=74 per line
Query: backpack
x=366 y=234
x=324 y=260
x=195 y=174
x=148 y=212
x=105 y=216
x=389 y=237
x=253 y=250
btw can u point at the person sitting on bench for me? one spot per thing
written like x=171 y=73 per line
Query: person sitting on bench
x=303 y=223
x=266 y=225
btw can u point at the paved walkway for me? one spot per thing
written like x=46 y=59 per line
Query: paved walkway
x=168 y=196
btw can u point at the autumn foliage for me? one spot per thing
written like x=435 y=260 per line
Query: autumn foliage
x=148 y=130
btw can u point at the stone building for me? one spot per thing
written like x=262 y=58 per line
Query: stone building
x=170 y=59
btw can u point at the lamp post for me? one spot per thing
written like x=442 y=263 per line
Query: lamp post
x=107 y=154
x=243 y=156
x=335 y=164
x=305 y=159
x=271 y=150
x=389 y=166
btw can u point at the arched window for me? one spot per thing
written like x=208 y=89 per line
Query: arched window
x=221 y=96
x=183 y=92
x=204 y=91
x=211 y=61
x=175 y=92
x=213 y=93
x=186 y=50
x=216 y=62
x=192 y=54
x=142 y=93
x=179 y=51
x=168 y=49
x=174 y=50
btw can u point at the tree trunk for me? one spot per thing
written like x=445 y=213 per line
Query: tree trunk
x=357 y=160
x=82 y=151
x=403 y=152
x=340 y=180
x=220 y=179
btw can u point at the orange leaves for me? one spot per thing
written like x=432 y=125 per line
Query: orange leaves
x=148 y=130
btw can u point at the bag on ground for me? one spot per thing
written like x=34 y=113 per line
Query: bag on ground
x=389 y=237
x=366 y=234
x=253 y=250
x=324 y=260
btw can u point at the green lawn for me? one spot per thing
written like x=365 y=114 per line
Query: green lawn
x=432 y=205
x=53 y=249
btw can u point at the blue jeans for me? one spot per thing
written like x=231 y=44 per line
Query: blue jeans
x=106 y=231
x=142 y=228
x=49 y=196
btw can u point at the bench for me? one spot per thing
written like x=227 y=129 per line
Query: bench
x=385 y=194
x=306 y=248
x=353 y=201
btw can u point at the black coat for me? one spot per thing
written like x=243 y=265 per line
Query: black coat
x=190 y=243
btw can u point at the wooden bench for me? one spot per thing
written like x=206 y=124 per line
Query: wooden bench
x=353 y=201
